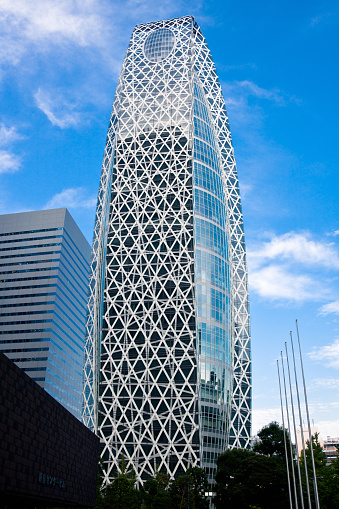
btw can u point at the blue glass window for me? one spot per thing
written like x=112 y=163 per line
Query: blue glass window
x=212 y=269
x=208 y=179
x=210 y=236
x=207 y=205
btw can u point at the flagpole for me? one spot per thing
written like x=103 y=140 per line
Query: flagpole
x=315 y=483
x=286 y=456
x=301 y=428
x=295 y=429
x=289 y=431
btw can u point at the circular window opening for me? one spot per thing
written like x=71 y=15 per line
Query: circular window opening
x=159 y=44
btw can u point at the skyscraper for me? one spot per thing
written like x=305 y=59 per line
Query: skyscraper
x=167 y=356
x=44 y=266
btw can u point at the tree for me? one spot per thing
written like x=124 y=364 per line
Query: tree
x=271 y=441
x=155 y=493
x=99 y=495
x=189 y=489
x=121 y=493
x=327 y=475
x=246 y=479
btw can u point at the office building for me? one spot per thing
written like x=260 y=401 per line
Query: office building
x=167 y=356
x=44 y=265
x=331 y=447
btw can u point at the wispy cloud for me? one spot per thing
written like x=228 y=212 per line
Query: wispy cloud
x=259 y=157
x=331 y=307
x=57 y=20
x=329 y=383
x=8 y=135
x=328 y=428
x=247 y=88
x=291 y=267
x=333 y=234
x=329 y=354
x=73 y=198
x=59 y=112
x=245 y=190
x=263 y=416
x=299 y=247
x=9 y=162
x=90 y=23
x=236 y=67
x=49 y=40
x=322 y=19
x=277 y=283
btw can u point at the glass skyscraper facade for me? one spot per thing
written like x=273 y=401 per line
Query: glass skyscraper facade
x=44 y=267
x=167 y=375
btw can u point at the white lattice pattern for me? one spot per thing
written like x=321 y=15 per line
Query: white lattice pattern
x=143 y=380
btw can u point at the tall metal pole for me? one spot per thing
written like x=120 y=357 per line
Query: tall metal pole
x=289 y=432
x=301 y=428
x=295 y=430
x=285 y=446
x=315 y=483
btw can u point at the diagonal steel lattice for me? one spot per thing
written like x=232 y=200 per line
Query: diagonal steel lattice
x=146 y=389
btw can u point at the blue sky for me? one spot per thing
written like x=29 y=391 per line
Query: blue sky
x=278 y=66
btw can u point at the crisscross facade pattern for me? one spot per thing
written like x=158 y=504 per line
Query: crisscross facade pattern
x=167 y=367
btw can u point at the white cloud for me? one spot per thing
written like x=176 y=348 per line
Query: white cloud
x=322 y=19
x=263 y=416
x=275 y=282
x=331 y=307
x=252 y=88
x=245 y=190
x=72 y=198
x=238 y=90
x=291 y=267
x=328 y=428
x=329 y=383
x=78 y=21
x=298 y=247
x=8 y=135
x=329 y=354
x=99 y=24
x=9 y=163
x=259 y=157
x=58 y=111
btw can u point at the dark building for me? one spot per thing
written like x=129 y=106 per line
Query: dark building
x=47 y=456
x=44 y=265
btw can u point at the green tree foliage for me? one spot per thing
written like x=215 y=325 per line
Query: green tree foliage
x=327 y=475
x=155 y=493
x=189 y=489
x=121 y=493
x=271 y=441
x=245 y=479
x=99 y=495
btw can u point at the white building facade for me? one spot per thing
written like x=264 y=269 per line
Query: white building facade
x=167 y=359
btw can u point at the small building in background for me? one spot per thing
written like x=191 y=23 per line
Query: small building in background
x=44 y=265
x=314 y=430
x=331 y=445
